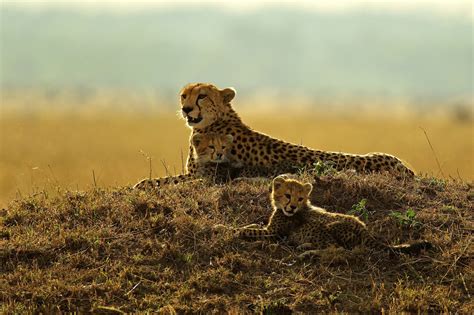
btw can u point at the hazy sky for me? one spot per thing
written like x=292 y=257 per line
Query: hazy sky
x=399 y=48
x=448 y=6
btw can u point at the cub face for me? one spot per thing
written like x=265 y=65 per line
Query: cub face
x=212 y=147
x=289 y=195
x=202 y=103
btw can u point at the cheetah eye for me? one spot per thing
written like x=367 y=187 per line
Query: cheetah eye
x=211 y=147
x=201 y=96
x=223 y=147
x=300 y=199
x=183 y=96
x=288 y=196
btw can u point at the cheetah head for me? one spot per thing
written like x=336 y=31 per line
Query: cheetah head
x=212 y=147
x=203 y=103
x=289 y=195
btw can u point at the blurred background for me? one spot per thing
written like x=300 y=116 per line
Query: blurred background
x=89 y=88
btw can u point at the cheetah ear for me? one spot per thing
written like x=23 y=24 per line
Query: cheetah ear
x=308 y=188
x=197 y=139
x=229 y=138
x=227 y=95
x=277 y=182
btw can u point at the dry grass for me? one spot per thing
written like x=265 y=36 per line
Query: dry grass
x=116 y=249
x=47 y=148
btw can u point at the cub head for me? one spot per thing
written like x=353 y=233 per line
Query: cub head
x=203 y=103
x=212 y=147
x=289 y=195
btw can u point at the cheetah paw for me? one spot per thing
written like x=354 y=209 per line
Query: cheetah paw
x=219 y=228
x=273 y=247
x=305 y=246
x=309 y=254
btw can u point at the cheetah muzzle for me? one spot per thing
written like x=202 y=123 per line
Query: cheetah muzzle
x=192 y=120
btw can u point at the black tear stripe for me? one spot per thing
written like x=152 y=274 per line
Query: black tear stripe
x=197 y=86
x=199 y=107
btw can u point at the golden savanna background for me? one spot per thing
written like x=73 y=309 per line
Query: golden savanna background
x=89 y=105
x=91 y=94
x=44 y=150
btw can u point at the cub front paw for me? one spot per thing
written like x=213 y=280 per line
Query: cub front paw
x=305 y=246
x=221 y=228
x=310 y=254
x=218 y=228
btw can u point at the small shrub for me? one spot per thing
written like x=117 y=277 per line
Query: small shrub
x=436 y=183
x=321 y=168
x=407 y=218
x=360 y=210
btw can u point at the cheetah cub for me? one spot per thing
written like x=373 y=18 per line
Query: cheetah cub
x=214 y=161
x=213 y=158
x=212 y=153
x=212 y=148
x=311 y=227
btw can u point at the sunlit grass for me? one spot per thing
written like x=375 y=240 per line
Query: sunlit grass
x=45 y=150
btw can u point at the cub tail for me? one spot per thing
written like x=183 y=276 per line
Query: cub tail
x=413 y=248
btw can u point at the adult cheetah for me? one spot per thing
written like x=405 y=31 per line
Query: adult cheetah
x=207 y=109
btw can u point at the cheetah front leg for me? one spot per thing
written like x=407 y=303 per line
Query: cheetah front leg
x=250 y=180
x=252 y=226
x=317 y=246
x=258 y=241
x=306 y=246
x=154 y=183
x=310 y=254
x=252 y=232
x=221 y=228
x=313 y=249
x=317 y=253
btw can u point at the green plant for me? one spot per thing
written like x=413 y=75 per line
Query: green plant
x=407 y=219
x=321 y=168
x=360 y=210
x=436 y=183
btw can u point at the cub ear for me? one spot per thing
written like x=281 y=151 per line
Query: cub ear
x=229 y=138
x=227 y=95
x=308 y=188
x=277 y=182
x=197 y=139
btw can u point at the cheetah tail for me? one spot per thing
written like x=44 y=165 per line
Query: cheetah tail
x=413 y=248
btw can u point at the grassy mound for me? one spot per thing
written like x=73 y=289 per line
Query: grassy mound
x=122 y=250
